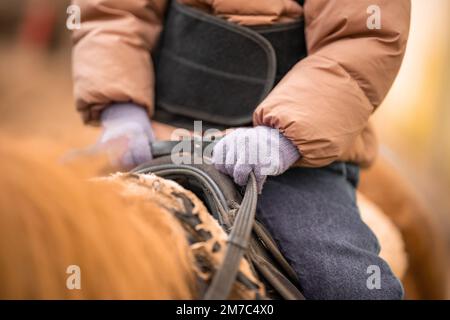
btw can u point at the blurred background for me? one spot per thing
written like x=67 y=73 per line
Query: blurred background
x=414 y=120
x=413 y=123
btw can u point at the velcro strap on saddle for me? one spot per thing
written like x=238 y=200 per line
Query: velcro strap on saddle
x=213 y=70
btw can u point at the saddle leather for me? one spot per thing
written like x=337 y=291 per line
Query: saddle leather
x=235 y=212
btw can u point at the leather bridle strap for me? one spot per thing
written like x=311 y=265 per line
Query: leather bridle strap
x=238 y=241
x=239 y=237
x=170 y=171
x=164 y=148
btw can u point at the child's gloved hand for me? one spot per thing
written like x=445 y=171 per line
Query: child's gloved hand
x=263 y=150
x=127 y=134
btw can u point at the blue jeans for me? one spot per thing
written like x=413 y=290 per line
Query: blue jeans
x=312 y=215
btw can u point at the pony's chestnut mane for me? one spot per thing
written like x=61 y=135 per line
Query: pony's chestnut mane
x=51 y=217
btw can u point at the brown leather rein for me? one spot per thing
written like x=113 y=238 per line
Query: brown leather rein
x=240 y=240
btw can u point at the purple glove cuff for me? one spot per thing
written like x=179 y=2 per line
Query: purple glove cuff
x=289 y=153
x=122 y=113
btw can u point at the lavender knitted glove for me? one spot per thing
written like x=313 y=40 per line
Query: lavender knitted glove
x=127 y=133
x=263 y=150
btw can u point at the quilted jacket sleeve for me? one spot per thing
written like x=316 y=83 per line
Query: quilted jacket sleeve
x=111 y=59
x=325 y=101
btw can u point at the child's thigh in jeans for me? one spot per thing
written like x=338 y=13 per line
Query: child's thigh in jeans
x=313 y=216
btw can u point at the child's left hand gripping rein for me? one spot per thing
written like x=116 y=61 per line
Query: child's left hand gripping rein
x=263 y=150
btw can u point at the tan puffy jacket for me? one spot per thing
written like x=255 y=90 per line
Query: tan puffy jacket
x=323 y=104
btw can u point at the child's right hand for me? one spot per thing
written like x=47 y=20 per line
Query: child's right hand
x=127 y=134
